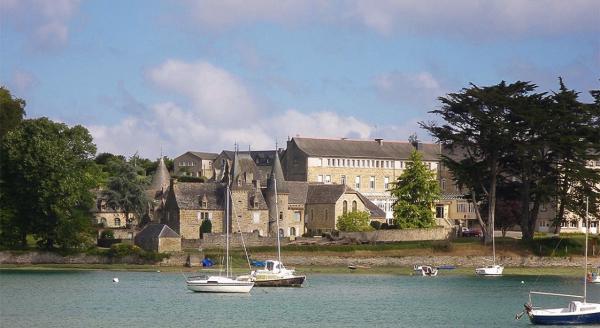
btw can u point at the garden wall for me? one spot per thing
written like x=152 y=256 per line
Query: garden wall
x=396 y=235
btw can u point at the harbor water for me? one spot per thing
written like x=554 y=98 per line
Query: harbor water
x=153 y=299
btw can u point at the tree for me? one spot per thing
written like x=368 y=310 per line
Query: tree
x=205 y=227
x=477 y=124
x=12 y=111
x=416 y=190
x=45 y=183
x=354 y=221
x=125 y=190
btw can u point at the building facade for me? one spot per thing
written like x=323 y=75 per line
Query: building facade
x=195 y=164
x=367 y=166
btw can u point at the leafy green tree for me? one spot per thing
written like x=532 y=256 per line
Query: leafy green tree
x=206 y=226
x=12 y=111
x=416 y=190
x=125 y=190
x=354 y=221
x=46 y=182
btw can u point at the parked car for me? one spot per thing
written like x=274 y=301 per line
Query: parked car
x=466 y=232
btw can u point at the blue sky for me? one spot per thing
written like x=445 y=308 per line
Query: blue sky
x=203 y=75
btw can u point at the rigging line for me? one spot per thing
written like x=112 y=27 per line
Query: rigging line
x=551 y=254
x=237 y=220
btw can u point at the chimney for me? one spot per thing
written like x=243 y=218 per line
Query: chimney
x=379 y=141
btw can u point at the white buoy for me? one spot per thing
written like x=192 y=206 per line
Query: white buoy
x=522 y=282
x=115 y=280
x=158 y=271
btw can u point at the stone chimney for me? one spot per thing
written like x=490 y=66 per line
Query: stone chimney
x=379 y=141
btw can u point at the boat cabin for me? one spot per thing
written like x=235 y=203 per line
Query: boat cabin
x=273 y=266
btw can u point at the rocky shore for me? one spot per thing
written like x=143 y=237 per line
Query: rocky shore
x=179 y=259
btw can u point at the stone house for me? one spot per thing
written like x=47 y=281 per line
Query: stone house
x=188 y=204
x=195 y=164
x=158 y=238
x=326 y=202
x=262 y=159
x=367 y=166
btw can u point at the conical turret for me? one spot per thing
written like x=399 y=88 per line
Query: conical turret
x=161 y=177
x=277 y=174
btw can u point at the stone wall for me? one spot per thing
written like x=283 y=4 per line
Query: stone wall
x=168 y=245
x=189 y=223
x=321 y=218
x=250 y=239
x=242 y=215
x=396 y=235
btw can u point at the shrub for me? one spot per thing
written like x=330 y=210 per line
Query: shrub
x=354 y=221
x=376 y=225
x=206 y=226
x=107 y=234
x=122 y=250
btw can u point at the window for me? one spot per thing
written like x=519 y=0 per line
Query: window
x=354 y=205
x=319 y=178
x=103 y=221
x=574 y=224
x=386 y=183
x=256 y=217
x=372 y=183
x=444 y=184
x=117 y=222
x=297 y=216
x=292 y=231
x=544 y=208
x=281 y=233
x=461 y=207
x=343 y=180
x=357 y=182
x=345 y=207
x=280 y=216
x=328 y=179
x=439 y=211
x=329 y=162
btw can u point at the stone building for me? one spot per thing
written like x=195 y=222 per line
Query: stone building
x=158 y=238
x=189 y=203
x=368 y=166
x=195 y=164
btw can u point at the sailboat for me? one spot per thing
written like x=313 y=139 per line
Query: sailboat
x=275 y=274
x=221 y=284
x=576 y=312
x=494 y=269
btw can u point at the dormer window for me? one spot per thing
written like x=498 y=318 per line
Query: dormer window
x=203 y=201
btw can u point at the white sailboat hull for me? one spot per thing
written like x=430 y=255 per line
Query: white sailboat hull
x=217 y=284
x=490 y=270
x=578 y=313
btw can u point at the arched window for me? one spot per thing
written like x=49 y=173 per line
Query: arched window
x=280 y=232
x=354 y=206
x=117 y=222
x=292 y=231
x=345 y=207
x=103 y=221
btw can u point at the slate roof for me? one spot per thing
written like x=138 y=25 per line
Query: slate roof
x=324 y=193
x=155 y=230
x=395 y=150
x=260 y=157
x=189 y=195
x=203 y=155
x=374 y=210
x=298 y=192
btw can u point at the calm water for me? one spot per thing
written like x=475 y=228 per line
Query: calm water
x=147 y=299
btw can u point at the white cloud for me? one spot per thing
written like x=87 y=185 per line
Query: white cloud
x=22 y=81
x=417 y=90
x=482 y=20
x=222 y=112
x=44 y=22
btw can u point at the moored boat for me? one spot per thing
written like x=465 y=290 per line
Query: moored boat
x=576 y=312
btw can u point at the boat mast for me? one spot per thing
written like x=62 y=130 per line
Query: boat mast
x=587 y=228
x=227 y=231
x=277 y=219
x=493 y=241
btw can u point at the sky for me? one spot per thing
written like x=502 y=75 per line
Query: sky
x=152 y=76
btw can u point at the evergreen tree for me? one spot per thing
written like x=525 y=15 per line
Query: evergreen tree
x=416 y=190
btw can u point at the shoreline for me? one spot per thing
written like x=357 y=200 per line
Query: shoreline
x=381 y=270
